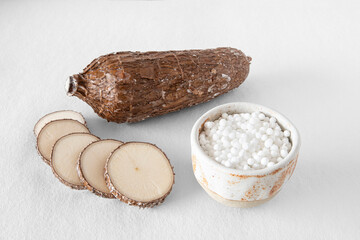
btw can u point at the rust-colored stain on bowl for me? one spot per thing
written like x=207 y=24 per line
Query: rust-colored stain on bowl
x=194 y=162
x=288 y=172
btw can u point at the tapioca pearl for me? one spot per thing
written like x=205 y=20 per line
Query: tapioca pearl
x=283 y=153
x=234 y=160
x=269 y=131
x=264 y=161
x=266 y=125
x=234 y=151
x=209 y=124
x=270 y=164
x=256 y=166
x=274 y=148
x=224 y=115
x=268 y=143
x=264 y=137
x=287 y=133
x=261 y=116
x=226 y=163
x=274 y=153
x=235 y=143
x=247 y=116
x=246 y=167
x=232 y=135
x=245 y=145
x=250 y=161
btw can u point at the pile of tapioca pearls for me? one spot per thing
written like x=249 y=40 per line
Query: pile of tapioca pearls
x=245 y=141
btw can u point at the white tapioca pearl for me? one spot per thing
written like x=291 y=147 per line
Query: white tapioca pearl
x=234 y=151
x=283 y=153
x=268 y=143
x=227 y=164
x=264 y=137
x=264 y=161
x=256 y=166
x=224 y=115
x=235 y=143
x=266 y=125
x=229 y=155
x=250 y=161
x=285 y=140
x=234 y=160
x=247 y=116
x=269 y=131
x=245 y=145
x=215 y=137
x=225 y=143
x=258 y=135
x=260 y=153
x=253 y=121
x=262 y=130
x=274 y=148
x=222 y=123
x=218 y=159
x=243 y=126
x=270 y=164
x=276 y=133
x=256 y=156
x=287 y=133
x=261 y=116
x=226 y=132
x=246 y=167
x=209 y=124
x=274 y=153
x=217 y=153
x=216 y=147
x=272 y=120
x=232 y=135
x=241 y=153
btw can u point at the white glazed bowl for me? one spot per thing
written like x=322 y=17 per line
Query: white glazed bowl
x=239 y=188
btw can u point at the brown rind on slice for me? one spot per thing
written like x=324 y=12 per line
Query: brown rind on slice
x=73 y=186
x=122 y=197
x=47 y=161
x=84 y=180
x=38 y=122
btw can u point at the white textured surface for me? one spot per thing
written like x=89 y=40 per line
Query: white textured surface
x=305 y=64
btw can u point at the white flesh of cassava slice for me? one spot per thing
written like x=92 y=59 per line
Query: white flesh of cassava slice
x=64 y=114
x=139 y=174
x=54 y=130
x=65 y=156
x=91 y=166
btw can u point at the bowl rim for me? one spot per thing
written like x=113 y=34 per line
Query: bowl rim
x=295 y=138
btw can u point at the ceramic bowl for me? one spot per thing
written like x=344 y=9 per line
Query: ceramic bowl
x=240 y=188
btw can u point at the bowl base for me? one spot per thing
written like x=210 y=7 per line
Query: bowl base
x=235 y=203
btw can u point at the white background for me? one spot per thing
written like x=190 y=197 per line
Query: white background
x=306 y=65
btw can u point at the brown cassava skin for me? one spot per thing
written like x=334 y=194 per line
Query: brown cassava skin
x=132 y=86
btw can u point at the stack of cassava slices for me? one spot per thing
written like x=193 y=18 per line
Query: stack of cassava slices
x=137 y=173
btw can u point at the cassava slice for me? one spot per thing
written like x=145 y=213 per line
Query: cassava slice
x=64 y=114
x=139 y=174
x=54 y=130
x=91 y=166
x=65 y=155
x=132 y=86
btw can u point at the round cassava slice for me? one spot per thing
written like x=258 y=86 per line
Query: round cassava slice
x=65 y=155
x=139 y=174
x=54 y=130
x=91 y=166
x=64 y=114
